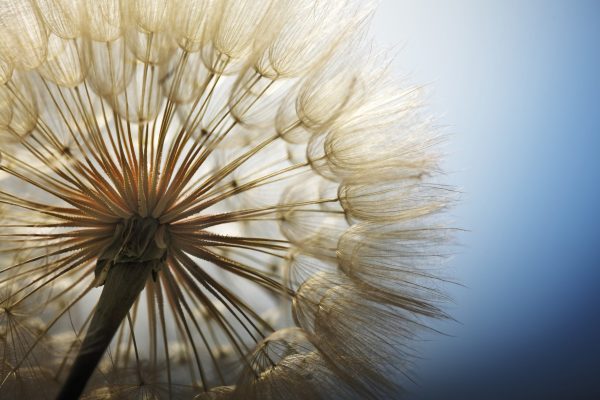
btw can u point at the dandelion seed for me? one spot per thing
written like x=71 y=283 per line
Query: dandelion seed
x=220 y=199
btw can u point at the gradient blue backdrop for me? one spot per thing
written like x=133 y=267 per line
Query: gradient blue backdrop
x=518 y=85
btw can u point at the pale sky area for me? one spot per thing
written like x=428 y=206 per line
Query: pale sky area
x=516 y=87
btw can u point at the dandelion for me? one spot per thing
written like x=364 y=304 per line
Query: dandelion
x=221 y=199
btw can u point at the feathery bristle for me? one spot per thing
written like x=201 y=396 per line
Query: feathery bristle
x=257 y=163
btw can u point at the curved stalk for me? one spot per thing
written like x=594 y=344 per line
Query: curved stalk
x=123 y=284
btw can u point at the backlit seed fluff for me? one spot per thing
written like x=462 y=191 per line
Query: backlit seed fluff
x=243 y=180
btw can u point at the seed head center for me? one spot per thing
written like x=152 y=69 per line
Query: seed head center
x=135 y=240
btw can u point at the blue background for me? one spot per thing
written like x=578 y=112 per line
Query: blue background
x=517 y=86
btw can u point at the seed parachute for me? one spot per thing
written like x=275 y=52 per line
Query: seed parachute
x=220 y=199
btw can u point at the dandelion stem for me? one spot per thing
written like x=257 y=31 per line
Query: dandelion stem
x=123 y=284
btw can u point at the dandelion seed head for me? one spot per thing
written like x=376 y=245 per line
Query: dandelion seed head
x=254 y=166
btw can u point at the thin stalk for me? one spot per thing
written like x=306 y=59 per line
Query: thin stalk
x=124 y=282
